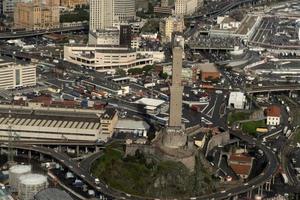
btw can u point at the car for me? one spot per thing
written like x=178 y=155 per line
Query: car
x=245 y=184
x=83 y=176
x=223 y=191
x=98 y=188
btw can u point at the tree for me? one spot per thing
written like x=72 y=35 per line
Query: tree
x=135 y=71
x=163 y=75
x=120 y=72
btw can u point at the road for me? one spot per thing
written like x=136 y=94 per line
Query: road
x=22 y=34
x=266 y=175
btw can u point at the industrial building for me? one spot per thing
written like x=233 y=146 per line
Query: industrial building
x=46 y=123
x=14 y=74
x=30 y=184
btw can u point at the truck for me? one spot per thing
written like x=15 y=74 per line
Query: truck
x=285 y=130
x=288 y=109
x=288 y=133
x=262 y=130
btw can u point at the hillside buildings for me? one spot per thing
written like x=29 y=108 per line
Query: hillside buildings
x=14 y=75
x=37 y=14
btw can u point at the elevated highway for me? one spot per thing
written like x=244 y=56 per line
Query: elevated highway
x=83 y=173
x=22 y=34
x=274 y=88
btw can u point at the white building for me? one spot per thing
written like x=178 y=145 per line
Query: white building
x=14 y=75
x=227 y=22
x=124 y=10
x=105 y=37
x=106 y=58
x=101 y=14
x=136 y=42
x=237 y=100
x=273 y=115
x=137 y=128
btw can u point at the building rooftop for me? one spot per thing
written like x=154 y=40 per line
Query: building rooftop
x=273 y=111
x=132 y=124
x=241 y=169
x=109 y=113
x=49 y=119
x=207 y=67
x=150 y=102
x=241 y=158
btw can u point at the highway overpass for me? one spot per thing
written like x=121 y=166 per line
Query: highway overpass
x=111 y=193
x=22 y=34
x=274 y=88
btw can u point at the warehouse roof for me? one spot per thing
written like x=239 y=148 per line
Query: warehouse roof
x=132 y=124
x=207 y=67
x=150 y=102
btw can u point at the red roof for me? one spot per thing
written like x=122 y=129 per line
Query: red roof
x=241 y=169
x=240 y=163
x=241 y=158
x=273 y=111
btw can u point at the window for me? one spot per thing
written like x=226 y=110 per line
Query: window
x=18 y=78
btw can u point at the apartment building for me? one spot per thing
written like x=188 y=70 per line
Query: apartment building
x=169 y=25
x=13 y=74
x=73 y=3
x=124 y=10
x=101 y=14
x=187 y=7
x=37 y=14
